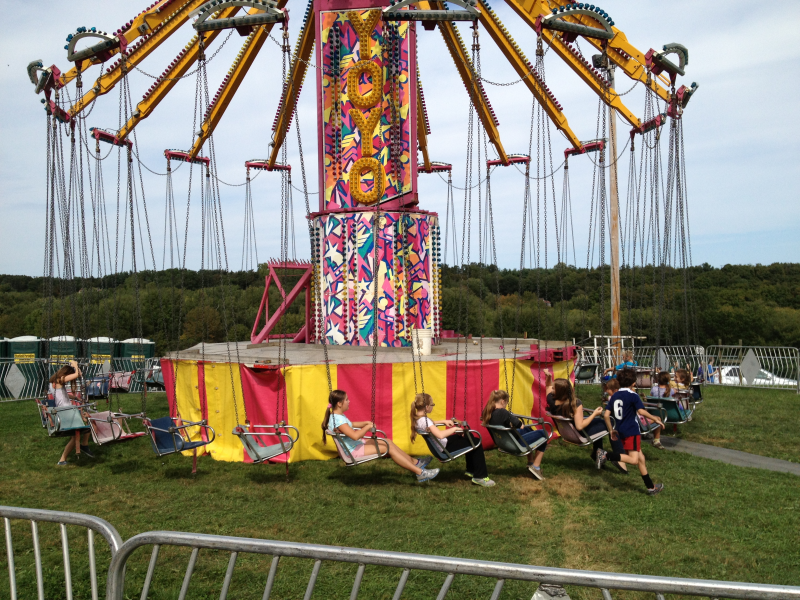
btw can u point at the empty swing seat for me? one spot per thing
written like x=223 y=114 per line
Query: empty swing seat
x=571 y=434
x=44 y=404
x=586 y=373
x=345 y=454
x=250 y=436
x=97 y=387
x=169 y=435
x=509 y=441
x=65 y=420
x=441 y=453
x=111 y=427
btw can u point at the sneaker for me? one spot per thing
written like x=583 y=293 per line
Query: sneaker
x=655 y=489
x=485 y=482
x=427 y=475
x=657 y=444
x=536 y=472
x=468 y=474
x=602 y=457
x=619 y=467
x=62 y=463
x=424 y=461
x=85 y=450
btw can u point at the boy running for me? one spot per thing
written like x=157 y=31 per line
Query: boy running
x=626 y=405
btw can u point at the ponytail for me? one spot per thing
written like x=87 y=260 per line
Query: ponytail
x=494 y=397
x=335 y=398
x=419 y=404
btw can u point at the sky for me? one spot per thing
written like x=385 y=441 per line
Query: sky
x=740 y=131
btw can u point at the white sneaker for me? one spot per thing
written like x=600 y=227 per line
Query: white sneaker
x=427 y=475
x=424 y=461
x=485 y=482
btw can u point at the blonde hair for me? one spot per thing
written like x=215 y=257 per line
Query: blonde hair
x=421 y=401
x=488 y=409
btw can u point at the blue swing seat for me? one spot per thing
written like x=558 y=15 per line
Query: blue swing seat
x=442 y=454
x=169 y=435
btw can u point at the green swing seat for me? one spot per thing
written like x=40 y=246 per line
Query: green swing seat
x=250 y=436
x=65 y=420
x=676 y=409
x=509 y=441
x=347 y=456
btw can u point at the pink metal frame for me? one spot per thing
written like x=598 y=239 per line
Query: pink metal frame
x=258 y=337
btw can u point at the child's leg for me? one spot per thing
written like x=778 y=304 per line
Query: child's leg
x=68 y=449
x=537 y=458
x=85 y=439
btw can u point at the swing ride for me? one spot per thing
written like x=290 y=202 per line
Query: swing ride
x=374 y=278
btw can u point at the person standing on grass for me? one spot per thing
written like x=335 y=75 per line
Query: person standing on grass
x=496 y=413
x=336 y=421
x=454 y=438
x=80 y=441
x=626 y=407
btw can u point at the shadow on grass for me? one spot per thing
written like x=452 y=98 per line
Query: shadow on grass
x=128 y=466
x=269 y=475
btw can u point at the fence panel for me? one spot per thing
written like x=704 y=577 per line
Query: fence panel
x=661 y=357
x=23 y=379
x=450 y=567
x=766 y=367
x=35 y=516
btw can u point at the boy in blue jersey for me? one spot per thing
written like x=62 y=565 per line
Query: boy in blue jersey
x=626 y=405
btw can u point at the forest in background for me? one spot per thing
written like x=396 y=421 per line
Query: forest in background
x=759 y=305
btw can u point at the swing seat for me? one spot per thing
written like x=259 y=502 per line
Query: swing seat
x=441 y=453
x=121 y=381
x=646 y=426
x=250 y=438
x=677 y=410
x=586 y=373
x=97 y=387
x=697 y=394
x=509 y=441
x=345 y=454
x=44 y=404
x=571 y=434
x=106 y=428
x=65 y=420
x=644 y=378
x=169 y=435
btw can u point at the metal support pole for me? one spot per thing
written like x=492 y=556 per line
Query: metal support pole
x=614 y=197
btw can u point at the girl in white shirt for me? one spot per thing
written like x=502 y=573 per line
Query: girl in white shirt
x=336 y=421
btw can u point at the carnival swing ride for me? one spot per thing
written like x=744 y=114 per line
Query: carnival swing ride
x=374 y=278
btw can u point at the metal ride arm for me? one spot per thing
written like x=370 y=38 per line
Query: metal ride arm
x=423 y=128
x=233 y=79
x=177 y=69
x=524 y=69
x=144 y=22
x=293 y=86
x=106 y=82
x=455 y=45
x=621 y=52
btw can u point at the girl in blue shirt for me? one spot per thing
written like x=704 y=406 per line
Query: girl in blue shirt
x=335 y=420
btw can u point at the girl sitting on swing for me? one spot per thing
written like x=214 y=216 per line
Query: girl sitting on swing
x=496 y=413
x=336 y=421
x=454 y=438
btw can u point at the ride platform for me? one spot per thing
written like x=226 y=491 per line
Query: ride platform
x=268 y=383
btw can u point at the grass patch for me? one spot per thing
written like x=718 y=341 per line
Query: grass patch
x=713 y=521
x=751 y=420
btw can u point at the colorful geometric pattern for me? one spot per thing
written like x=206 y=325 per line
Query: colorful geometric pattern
x=405 y=264
x=337 y=192
x=459 y=390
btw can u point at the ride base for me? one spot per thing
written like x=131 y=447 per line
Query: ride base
x=209 y=385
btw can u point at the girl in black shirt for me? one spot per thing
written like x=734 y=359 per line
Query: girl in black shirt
x=496 y=413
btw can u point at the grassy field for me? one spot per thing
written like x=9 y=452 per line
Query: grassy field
x=757 y=421
x=713 y=521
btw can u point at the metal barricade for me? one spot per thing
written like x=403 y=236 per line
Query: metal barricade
x=450 y=567
x=763 y=367
x=35 y=516
x=23 y=379
x=664 y=358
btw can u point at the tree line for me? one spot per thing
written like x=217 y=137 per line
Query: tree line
x=759 y=305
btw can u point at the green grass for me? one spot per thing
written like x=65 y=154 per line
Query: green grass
x=761 y=422
x=713 y=521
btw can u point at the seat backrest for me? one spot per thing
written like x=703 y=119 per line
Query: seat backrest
x=103 y=430
x=586 y=372
x=343 y=454
x=434 y=447
x=697 y=391
x=71 y=419
x=507 y=441
x=165 y=441
x=570 y=433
